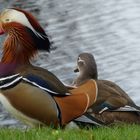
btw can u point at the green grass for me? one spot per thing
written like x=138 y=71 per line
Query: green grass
x=117 y=132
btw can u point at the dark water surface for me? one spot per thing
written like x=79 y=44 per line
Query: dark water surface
x=109 y=29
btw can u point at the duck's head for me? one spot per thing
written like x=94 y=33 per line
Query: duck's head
x=86 y=65
x=24 y=32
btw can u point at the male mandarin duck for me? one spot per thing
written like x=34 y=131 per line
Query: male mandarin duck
x=30 y=93
x=109 y=95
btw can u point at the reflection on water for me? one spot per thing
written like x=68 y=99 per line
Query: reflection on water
x=108 y=29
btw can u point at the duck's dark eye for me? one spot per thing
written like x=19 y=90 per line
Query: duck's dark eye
x=7 y=19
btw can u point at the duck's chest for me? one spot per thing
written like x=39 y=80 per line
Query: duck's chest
x=30 y=104
x=7 y=69
x=27 y=102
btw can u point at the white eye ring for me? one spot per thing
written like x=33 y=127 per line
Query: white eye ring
x=80 y=60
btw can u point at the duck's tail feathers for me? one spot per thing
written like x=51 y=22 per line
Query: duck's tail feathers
x=89 y=119
x=127 y=108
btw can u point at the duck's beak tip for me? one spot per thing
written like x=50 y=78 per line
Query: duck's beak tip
x=76 y=70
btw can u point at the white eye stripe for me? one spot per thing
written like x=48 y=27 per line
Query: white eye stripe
x=14 y=15
x=80 y=60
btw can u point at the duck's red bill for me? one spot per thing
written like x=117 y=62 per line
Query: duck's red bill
x=1 y=31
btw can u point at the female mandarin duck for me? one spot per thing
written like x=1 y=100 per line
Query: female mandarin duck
x=30 y=93
x=111 y=99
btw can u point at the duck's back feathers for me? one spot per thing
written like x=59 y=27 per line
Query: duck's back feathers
x=43 y=77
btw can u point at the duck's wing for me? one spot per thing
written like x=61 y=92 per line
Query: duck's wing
x=114 y=96
x=43 y=84
x=43 y=78
x=39 y=80
x=87 y=118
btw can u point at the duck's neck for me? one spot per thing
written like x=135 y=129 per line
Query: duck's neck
x=12 y=54
x=19 y=47
x=16 y=53
x=89 y=72
x=11 y=61
x=85 y=75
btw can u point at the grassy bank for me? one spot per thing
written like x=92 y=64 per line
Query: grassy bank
x=118 y=132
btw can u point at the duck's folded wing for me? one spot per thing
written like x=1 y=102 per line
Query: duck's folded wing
x=42 y=84
x=13 y=80
x=127 y=108
x=89 y=119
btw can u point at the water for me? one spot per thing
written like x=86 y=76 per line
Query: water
x=110 y=30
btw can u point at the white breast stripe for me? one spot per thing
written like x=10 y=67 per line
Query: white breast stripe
x=18 y=78
x=8 y=77
x=11 y=83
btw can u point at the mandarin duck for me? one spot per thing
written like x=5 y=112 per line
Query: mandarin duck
x=32 y=94
x=109 y=96
x=87 y=67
